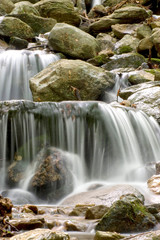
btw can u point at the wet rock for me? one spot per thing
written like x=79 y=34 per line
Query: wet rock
x=5 y=207
x=89 y=81
x=61 y=10
x=75 y=225
x=41 y=234
x=126 y=44
x=27 y=223
x=127 y=215
x=52 y=179
x=73 y=41
x=145 y=96
x=38 y=24
x=96 y=212
x=18 y=43
x=11 y=26
x=125 y=60
x=153 y=235
x=28 y=208
x=154 y=184
x=107 y=236
x=79 y=210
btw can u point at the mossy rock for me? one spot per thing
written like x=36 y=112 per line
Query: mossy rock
x=127 y=215
x=11 y=26
x=6 y=6
x=25 y=7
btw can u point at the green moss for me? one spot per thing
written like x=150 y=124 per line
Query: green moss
x=124 y=49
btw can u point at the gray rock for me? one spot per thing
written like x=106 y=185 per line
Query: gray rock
x=140 y=77
x=54 y=83
x=120 y=30
x=25 y=7
x=126 y=44
x=144 y=31
x=72 y=41
x=127 y=60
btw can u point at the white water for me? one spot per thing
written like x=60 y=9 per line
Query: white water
x=96 y=2
x=17 y=67
x=113 y=145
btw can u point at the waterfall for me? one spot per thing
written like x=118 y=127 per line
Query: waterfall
x=96 y=2
x=17 y=67
x=98 y=142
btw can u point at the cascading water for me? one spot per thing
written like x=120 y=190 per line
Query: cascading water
x=17 y=67
x=97 y=142
x=96 y=2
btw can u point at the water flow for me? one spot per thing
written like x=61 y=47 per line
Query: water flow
x=97 y=141
x=96 y=2
x=17 y=67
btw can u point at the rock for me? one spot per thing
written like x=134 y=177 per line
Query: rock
x=25 y=7
x=102 y=25
x=74 y=225
x=28 y=223
x=18 y=43
x=13 y=27
x=28 y=208
x=6 y=6
x=5 y=207
x=96 y=212
x=157 y=168
x=37 y=23
x=3 y=45
x=154 y=184
x=155 y=37
x=89 y=81
x=111 y=3
x=41 y=234
x=130 y=14
x=101 y=58
x=102 y=196
x=145 y=96
x=145 y=44
x=107 y=236
x=105 y=41
x=73 y=41
x=126 y=44
x=126 y=60
x=155 y=24
x=153 y=235
x=61 y=10
x=141 y=76
x=127 y=215
x=79 y=210
x=52 y=179
x=144 y=31
x=120 y=30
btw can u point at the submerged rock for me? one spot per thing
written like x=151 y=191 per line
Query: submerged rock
x=127 y=215
x=70 y=80
x=73 y=41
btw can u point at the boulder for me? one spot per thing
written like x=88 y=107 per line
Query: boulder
x=144 y=31
x=120 y=30
x=130 y=14
x=38 y=24
x=107 y=236
x=41 y=234
x=105 y=41
x=127 y=215
x=140 y=77
x=96 y=212
x=6 y=6
x=28 y=223
x=70 y=80
x=126 y=44
x=25 y=7
x=145 y=44
x=126 y=60
x=18 y=43
x=152 y=235
x=52 y=178
x=155 y=37
x=73 y=41
x=11 y=26
x=145 y=96
x=111 y=3
x=105 y=196
x=61 y=10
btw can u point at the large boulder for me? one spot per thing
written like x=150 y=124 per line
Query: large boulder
x=145 y=96
x=11 y=26
x=37 y=23
x=61 y=10
x=126 y=44
x=127 y=215
x=66 y=79
x=73 y=41
x=126 y=60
